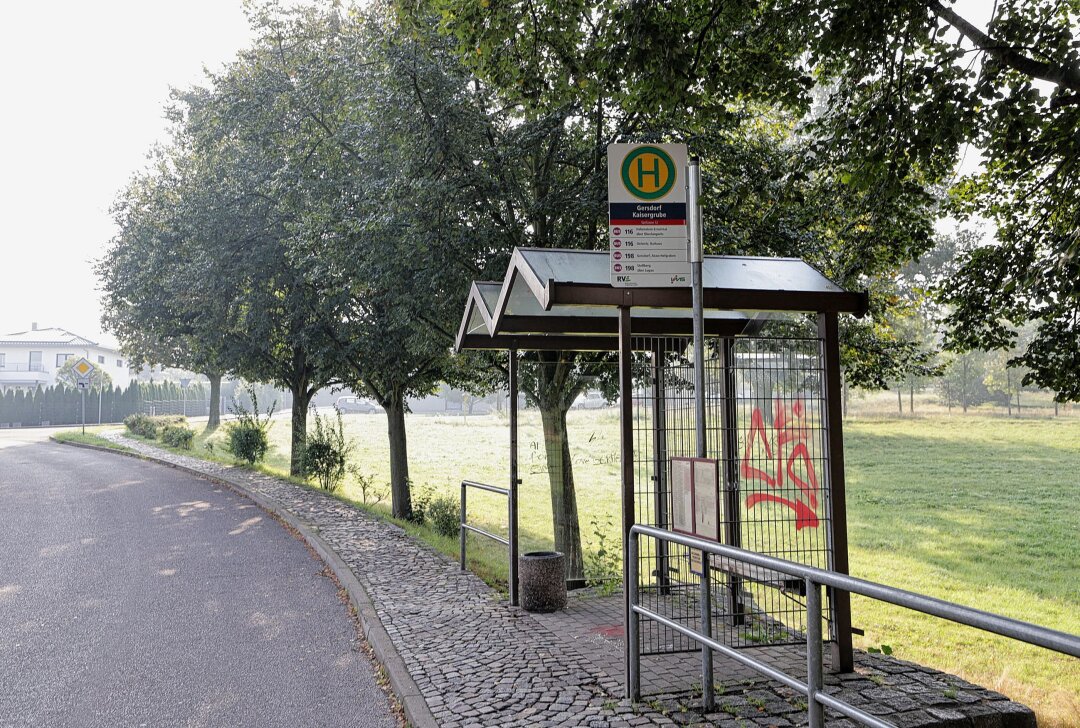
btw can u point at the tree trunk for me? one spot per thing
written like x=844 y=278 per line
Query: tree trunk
x=300 y=401
x=214 y=419
x=844 y=394
x=401 y=498
x=564 y=510
x=911 y=398
x=766 y=404
x=964 y=386
x=900 y=400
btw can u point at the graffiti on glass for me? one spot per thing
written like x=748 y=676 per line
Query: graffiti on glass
x=784 y=458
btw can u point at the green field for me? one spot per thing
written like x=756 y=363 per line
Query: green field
x=978 y=510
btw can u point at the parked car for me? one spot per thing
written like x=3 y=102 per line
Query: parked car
x=591 y=400
x=362 y=405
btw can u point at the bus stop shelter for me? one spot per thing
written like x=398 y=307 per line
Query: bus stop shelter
x=772 y=384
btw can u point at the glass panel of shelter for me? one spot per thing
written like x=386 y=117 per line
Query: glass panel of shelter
x=765 y=424
x=571 y=462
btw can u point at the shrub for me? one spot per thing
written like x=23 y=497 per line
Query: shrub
x=603 y=562
x=421 y=499
x=178 y=435
x=149 y=427
x=247 y=434
x=141 y=425
x=444 y=515
x=326 y=452
x=368 y=491
x=247 y=443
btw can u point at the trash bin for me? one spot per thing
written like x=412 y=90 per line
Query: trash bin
x=542 y=575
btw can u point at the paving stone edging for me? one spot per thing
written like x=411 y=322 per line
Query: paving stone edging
x=405 y=688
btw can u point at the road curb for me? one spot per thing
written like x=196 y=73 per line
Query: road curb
x=417 y=712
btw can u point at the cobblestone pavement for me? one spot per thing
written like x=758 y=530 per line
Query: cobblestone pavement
x=479 y=662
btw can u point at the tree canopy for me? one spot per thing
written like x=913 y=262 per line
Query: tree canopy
x=885 y=98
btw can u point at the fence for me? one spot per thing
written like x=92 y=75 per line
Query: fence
x=813 y=579
x=188 y=407
x=61 y=405
x=768 y=433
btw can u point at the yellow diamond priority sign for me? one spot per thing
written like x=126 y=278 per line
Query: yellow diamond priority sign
x=83 y=369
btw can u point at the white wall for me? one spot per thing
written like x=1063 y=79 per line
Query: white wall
x=18 y=357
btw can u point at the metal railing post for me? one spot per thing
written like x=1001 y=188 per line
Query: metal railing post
x=708 y=697
x=509 y=542
x=633 y=635
x=815 y=711
x=461 y=528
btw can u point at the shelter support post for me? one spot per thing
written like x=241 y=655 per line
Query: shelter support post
x=515 y=481
x=659 y=433
x=626 y=448
x=730 y=444
x=840 y=601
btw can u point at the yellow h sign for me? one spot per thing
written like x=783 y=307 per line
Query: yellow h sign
x=648 y=173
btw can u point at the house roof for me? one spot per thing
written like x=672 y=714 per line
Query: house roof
x=563 y=299
x=45 y=337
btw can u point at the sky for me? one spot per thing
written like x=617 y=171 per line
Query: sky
x=83 y=89
x=84 y=85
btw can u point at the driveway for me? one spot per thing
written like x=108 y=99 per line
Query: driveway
x=132 y=594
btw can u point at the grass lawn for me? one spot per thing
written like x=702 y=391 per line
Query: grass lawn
x=982 y=512
x=979 y=510
x=90 y=438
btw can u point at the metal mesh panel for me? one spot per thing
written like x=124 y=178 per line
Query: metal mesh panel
x=764 y=423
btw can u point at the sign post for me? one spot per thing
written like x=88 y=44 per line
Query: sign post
x=83 y=371
x=697 y=256
x=647 y=215
x=654 y=229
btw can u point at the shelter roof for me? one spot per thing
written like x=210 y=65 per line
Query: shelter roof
x=563 y=299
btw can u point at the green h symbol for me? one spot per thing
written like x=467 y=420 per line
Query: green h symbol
x=654 y=172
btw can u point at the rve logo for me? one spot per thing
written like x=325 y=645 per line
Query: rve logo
x=678 y=279
x=648 y=173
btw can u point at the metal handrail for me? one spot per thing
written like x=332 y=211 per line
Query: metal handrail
x=815 y=578
x=39 y=368
x=509 y=541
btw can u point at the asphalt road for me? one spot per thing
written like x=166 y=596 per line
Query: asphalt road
x=132 y=594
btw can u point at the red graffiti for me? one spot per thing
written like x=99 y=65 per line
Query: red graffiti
x=787 y=431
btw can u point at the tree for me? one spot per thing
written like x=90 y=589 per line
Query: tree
x=1029 y=108
x=151 y=273
x=375 y=228
x=917 y=314
x=537 y=176
x=963 y=382
x=273 y=185
x=563 y=81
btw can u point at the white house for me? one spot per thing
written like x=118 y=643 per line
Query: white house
x=30 y=359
